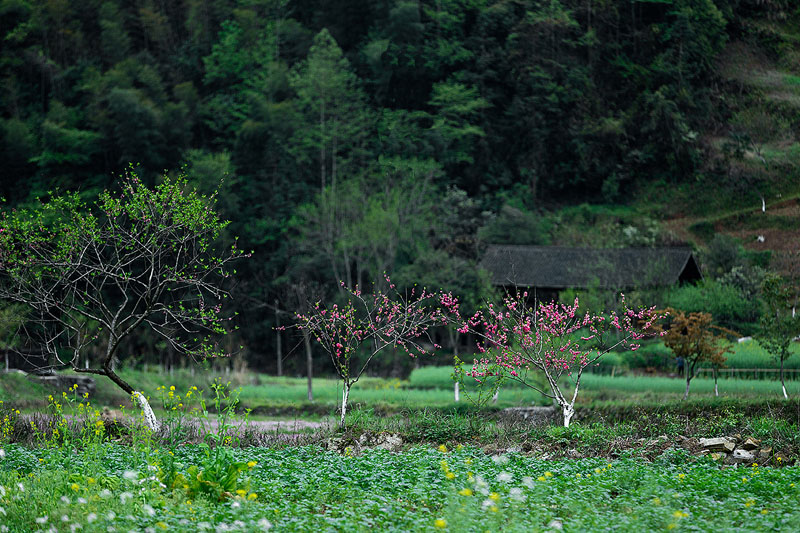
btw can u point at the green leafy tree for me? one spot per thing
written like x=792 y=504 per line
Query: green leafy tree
x=778 y=325
x=96 y=275
x=337 y=121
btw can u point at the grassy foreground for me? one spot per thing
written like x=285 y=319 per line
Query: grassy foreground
x=422 y=489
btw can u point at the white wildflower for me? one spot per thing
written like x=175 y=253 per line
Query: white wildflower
x=91 y=517
x=21 y=487
x=2 y=453
x=111 y=516
x=130 y=475
x=556 y=524
x=125 y=496
x=528 y=481
x=65 y=500
x=202 y=526
x=235 y=505
x=41 y=519
x=488 y=502
x=264 y=524
x=2 y=511
x=516 y=494
x=2 y=491
x=504 y=477
x=75 y=527
x=3 y=529
x=222 y=526
x=82 y=501
x=64 y=518
x=148 y=510
x=105 y=493
x=238 y=524
x=500 y=459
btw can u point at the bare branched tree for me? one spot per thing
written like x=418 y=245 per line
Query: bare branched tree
x=94 y=275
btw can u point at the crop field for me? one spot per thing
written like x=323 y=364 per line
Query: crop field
x=66 y=466
x=422 y=489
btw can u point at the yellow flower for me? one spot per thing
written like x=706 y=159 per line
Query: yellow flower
x=656 y=501
x=241 y=492
x=161 y=525
x=548 y=474
x=465 y=492
x=252 y=496
x=681 y=476
x=680 y=514
x=749 y=503
x=468 y=461
x=672 y=526
x=251 y=464
x=494 y=496
x=764 y=511
x=74 y=487
x=440 y=523
x=460 y=447
x=90 y=480
x=443 y=448
x=450 y=475
x=494 y=508
x=172 y=387
x=541 y=478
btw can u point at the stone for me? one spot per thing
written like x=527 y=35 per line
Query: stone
x=765 y=453
x=751 y=444
x=720 y=444
x=389 y=441
x=741 y=456
x=717 y=456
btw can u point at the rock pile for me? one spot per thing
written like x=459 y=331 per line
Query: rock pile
x=734 y=450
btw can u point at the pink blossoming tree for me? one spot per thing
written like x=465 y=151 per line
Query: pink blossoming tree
x=356 y=331
x=517 y=339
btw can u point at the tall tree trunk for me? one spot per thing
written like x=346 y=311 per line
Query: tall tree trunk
x=783 y=384
x=278 y=338
x=688 y=380
x=716 y=390
x=309 y=365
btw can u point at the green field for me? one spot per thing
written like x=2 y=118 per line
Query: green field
x=421 y=489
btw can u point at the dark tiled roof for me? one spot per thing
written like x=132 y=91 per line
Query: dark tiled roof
x=559 y=267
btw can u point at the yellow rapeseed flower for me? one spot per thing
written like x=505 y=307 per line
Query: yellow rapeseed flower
x=161 y=525
x=465 y=492
x=443 y=448
x=541 y=478
x=680 y=514
x=75 y=487
x=548 y=474
x=672 y=526
x=494 y=508
x=749 y=503
x=251 y=464
x=440 y=523
x=764 y=511
x=450 y=475
x=252 y=496
x=681 y=476
x=494 y=496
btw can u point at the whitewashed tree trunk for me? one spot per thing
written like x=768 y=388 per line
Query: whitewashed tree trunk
x=568 y=410
x=345 y=395
x=150 y=419
x=455 y=392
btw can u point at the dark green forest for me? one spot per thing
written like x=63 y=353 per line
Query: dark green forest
x=359 y=137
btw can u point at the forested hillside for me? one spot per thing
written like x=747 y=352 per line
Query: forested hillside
x=360 y=137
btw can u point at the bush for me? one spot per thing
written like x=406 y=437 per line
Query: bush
x=725 y=302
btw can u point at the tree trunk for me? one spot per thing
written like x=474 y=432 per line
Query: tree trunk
x=278 y=339
x=686 y=393
x=309 y=365
x=568 y=411
x=716 y=390
x=149 y=417
x=345 y=395
x=783 y=384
